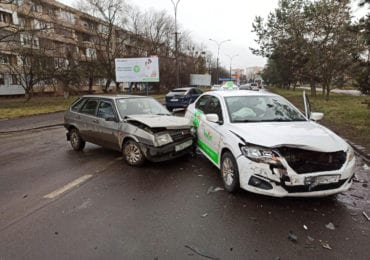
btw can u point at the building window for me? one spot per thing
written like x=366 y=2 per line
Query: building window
x=6 y=17
x=36 y=8
x=14 y=79
x=91 y=53
x=2 y=79
x=66 y=16
x=4 y=58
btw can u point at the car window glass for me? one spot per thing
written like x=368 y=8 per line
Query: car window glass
x=89 y=107
x=77 y=106
x=214 y=107
x=198 y=91
x=105 y=109
x=137 y=106
x=261 y=109
x=202 y=103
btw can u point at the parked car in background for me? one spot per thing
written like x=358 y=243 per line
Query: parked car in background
x=263 y=144
x=139 y=127
x=245 y=87
x=181 y=97
x=255 y=87
x=215 y=87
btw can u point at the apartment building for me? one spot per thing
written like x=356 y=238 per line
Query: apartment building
x=54 y=35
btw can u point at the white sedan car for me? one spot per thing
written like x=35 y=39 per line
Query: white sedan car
x=263 y=144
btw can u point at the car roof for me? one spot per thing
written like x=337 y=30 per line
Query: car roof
x=184 y=89
x=114 y=96
x=233 y=93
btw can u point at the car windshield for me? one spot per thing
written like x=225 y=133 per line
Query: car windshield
x=140 y=106
x=261 y=109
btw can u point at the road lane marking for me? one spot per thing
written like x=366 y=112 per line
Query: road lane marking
x=67 y=187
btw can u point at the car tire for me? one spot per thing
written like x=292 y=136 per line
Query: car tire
x=169 y=109
x=132 y=153
x=77 y=143
x=229 y=172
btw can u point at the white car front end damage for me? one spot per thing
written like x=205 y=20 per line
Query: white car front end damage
x=317 y=164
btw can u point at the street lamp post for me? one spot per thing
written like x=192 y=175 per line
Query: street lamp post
x=218 y=54
x=176 y=47
x=231 y=61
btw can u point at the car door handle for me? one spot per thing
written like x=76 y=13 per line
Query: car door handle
x=96 y=121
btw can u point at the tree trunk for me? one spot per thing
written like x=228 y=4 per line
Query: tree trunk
x=107 y=84
x=91 y=81
x=327 y=92
x=313 y=89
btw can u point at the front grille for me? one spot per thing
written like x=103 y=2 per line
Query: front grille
x=180 y=134
x=306 y=188
x=304 y=161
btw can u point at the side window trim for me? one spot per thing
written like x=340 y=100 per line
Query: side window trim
x=86 y=102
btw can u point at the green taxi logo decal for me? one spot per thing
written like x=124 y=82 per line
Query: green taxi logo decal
x=208 y=150
x=229 y=84
x=196 y=118
x=208 y=135
x=137 y=68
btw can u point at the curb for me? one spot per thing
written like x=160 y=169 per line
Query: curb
x=29 y=129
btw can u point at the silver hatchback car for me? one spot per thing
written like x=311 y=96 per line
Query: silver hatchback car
x=140 y=127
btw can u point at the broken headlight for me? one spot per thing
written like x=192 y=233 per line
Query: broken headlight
x=260 y=154
x=351 y=153
x=162 y=139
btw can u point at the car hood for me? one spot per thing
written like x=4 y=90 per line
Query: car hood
x=304 y=135
x=156 y=121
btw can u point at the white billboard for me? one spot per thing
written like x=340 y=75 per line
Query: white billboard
x=137 y=69
x=200 y=79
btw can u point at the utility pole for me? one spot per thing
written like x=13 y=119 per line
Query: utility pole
x=176 y=45
x=231 y=61
x=218 y=54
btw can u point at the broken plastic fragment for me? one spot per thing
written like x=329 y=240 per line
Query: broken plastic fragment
x=292 y=237
x=325 y=245
x=330 y=226
x=366 y=216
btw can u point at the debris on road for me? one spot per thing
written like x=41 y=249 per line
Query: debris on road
x=366 y=216
x=325 y=245
x=204 y=215
x=292 y=237
x=305 y=227
x=366 y=167
x=330 y=226
x=311 y=239
x=25 y=196
x=212 y=190
x=200 y=253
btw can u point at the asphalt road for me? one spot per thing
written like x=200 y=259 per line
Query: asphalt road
x=56 y=203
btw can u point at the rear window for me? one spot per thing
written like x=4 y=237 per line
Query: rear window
x=78 y=104
x=178 y=91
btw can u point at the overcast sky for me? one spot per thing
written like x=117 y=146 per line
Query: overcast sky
x=219 y=20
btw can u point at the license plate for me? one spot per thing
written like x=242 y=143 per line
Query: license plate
x=325 y=179
x=174 y=100
x=182 y=146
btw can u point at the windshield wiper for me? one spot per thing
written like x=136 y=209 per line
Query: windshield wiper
x=246 y=121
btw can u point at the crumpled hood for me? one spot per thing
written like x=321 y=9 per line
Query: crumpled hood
x=304 y=135
x=154 y=121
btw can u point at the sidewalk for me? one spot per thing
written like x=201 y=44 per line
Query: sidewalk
x=31 y=122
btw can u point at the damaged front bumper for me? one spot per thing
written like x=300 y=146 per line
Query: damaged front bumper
x=266 y=179
x=169 y=151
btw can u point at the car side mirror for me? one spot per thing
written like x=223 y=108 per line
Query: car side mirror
x=316 y=116
x=213 y=118
x=111 y=119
